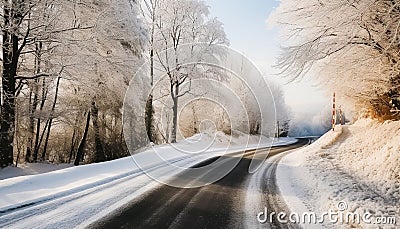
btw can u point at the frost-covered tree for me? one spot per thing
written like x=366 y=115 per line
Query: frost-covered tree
x=149 y=11
x=107 y=56
x=27 y=28
x=177 y=29
x=63 y=60
x=351 y=47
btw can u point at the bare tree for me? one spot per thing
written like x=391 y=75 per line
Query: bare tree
x=181 y=26
x=150 y=12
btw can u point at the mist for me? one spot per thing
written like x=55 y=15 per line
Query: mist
x=310 y=122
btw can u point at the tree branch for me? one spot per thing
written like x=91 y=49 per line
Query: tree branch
x=33 y=77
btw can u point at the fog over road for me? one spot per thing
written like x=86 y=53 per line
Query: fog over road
x=218 y=205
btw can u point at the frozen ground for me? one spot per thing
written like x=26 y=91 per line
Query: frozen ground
x=354 y=169
x=77 y=196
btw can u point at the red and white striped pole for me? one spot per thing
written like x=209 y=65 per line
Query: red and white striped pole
x=334 y=112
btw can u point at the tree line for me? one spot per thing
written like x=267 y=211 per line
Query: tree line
x=66 y=66
x=63 y=65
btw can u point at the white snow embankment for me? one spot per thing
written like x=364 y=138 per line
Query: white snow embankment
x=26 y=190
x=356 y=167
x=30 y=169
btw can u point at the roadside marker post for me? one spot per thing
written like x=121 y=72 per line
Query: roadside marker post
x=334 y=112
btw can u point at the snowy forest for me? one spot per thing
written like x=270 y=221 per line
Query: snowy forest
x=62 y=75
x=67 y=66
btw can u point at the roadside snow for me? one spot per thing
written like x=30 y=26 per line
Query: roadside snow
x=79 y=195
x=30 y=169
x=358 y=165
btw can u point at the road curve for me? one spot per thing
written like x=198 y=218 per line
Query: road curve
x=218 y=205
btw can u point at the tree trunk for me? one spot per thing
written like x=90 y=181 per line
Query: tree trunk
x=149 y=119
x=37 y=138
x=46 y=142
x=17 y=142
x=41 y=137
x=167 y=130
x=80 y=154
x=149 y=115
x=175 y=113
x=31 y=125
x=99 y=151
x=71 y=152
x=35 y=103
x=195 y=121
x=10 y=63
x=73 y=141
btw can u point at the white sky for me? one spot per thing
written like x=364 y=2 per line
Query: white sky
x=247 y=30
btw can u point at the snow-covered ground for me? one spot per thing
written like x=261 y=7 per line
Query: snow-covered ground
x=355 y=169
x=30 y=169
x=77 y=196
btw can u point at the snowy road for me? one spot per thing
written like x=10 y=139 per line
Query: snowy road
x=77 y=208
x=224 y=204
x=78 y=197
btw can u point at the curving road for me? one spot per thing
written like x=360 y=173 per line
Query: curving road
x=224 y=204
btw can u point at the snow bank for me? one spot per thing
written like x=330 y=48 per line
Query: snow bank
x=372 y=153
x=30 y=169
x=358 y=165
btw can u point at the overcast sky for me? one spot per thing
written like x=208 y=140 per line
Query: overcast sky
x=247 y=30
